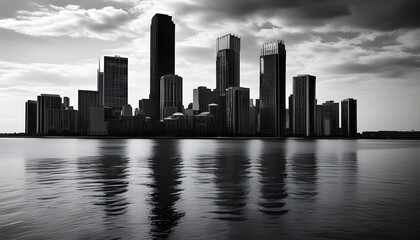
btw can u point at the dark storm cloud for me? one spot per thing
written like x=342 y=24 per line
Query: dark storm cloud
x=379 y=42
x=390 y=67
x=371 y=14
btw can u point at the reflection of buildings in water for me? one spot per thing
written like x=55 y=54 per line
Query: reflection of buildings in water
x=272 y=172
x=231 y=174
x=106 y=174
x=165 y=165
x=303 y=173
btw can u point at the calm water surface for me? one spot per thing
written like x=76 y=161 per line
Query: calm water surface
x=209 y=189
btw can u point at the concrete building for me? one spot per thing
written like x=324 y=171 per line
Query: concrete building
x=291 y=114
x=97 y=124
x=170 y=95
x=349 y=117
x=304 y=105
x=145 y=107
x=237 y=111
x=273 y=89
x=127 y=111
x=162 y=57
x=319 y=121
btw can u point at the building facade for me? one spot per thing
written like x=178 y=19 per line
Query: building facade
x=48 y=114
x=273 y=89
x=202 y=97
x=331 y=118
x=87 y=99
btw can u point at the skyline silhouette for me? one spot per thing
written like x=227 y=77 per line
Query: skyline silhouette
x=350 y=59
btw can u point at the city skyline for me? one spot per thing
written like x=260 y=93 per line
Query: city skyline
x=199 y=60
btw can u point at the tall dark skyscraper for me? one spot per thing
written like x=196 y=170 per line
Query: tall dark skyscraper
x=30 y=117
x=304 y=105
x=48 y=114
x=162 y=57
x=115 y=86
x=273 y=89
x=349 y=117
x=87 y=99
x=291 y=114
x=227 y=62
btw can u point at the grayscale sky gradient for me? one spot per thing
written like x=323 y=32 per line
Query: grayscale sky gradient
x=367 y=50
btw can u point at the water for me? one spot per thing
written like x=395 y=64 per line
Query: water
x=209 y=189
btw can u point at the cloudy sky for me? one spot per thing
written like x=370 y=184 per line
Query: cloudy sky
x=367 y=50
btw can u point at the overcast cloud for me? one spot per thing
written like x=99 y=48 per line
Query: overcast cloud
x=367 y=50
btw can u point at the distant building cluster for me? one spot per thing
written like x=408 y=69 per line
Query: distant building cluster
x=226 y=110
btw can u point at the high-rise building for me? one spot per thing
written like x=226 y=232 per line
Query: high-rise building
x=349 y=117
x=162 y=57
x=330 y=118
x=304 y=105
x=170 y=95
x=127 y=111
x=66 y=102
x=202 y=97
x=273 y=89
x=100 y=84
x=252 y=117
x=227 y=62
x=115 y=85
x=48 y=114
x=87 y=99
x=237 y=111
x=30 y=117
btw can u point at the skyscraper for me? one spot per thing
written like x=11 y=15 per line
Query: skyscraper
x=202 y=97
x=115 y=87
x=227 y=62
x=30 y=117
x=291 y=114
x=170 y=95
x=349 y=117
x=48 y=114
x=330 y=118
x=304 y=105
x=87 y=99
x=273 y=89
x=100 y=84
x=237 y=111
x=162 y=57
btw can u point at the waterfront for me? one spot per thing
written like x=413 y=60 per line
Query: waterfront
x=209 y=189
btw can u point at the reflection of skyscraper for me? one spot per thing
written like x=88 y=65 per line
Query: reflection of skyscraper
x=304 y=105
x=166 y=176
x=162 y=57
x=231 y=174
x=170 y=95
x=227 y=62
x=273 y=89
x=272 y=179
x=30 y=117
x=349 y=117
x=237 y=110
x=115 y=83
